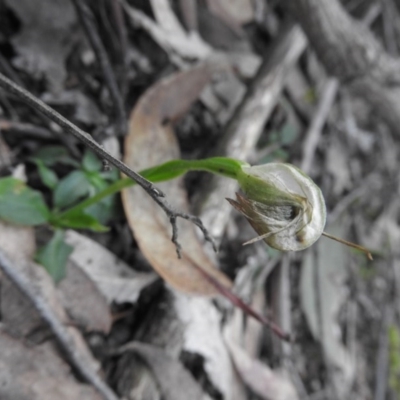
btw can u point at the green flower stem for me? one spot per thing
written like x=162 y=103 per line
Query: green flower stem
x=226 y=167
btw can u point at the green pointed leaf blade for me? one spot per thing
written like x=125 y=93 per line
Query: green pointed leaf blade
x=81 y=220
x=20 y=204
x=70 y=189
x=54 y=255
x=102 y=211
x=90 y=162
x=51 y=155
x=47 y=175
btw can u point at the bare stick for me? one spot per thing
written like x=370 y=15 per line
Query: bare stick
x=56 y=326
x=314 y=131
x=350 y=244
x=156 y=194
x=89 y=25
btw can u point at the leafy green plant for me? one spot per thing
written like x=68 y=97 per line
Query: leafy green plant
x=22 y=205
x=284 y=206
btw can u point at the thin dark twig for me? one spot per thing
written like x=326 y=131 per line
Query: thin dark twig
x=156 y=194
x=121 y=28
x=60 y=332
x=26 y=129
x=119 y=19
x=89 y=25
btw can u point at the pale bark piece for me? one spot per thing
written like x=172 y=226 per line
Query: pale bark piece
x=202 y=335
x=113 y=277
x=170 y=35
x=176 y=383
x=37 y=373
x=322 y=294
x=150 y=142
x=267 y=383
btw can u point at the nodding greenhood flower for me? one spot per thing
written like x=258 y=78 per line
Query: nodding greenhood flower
x=283 y=205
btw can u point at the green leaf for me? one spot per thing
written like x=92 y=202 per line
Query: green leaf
x=54 y=255
x=90 y=162
x=80 y=220
x=20 y=204
x=71 y=189
x=102 y=211
x=97 y=181
x=48 y=176
x=52 y=155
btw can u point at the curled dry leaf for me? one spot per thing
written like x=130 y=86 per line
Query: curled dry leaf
x=83 y=301
x=115 y=280
x=322 y=294
x=151 y=141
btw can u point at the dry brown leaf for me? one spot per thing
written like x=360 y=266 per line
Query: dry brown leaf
x=115 y=280
x=37 y=373
x=151 y=141
x=83 y=300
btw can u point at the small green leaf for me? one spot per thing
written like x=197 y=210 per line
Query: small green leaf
x=70 y=189
x=90 y=162
x=102 y=211
x=80 y=220
x=48 y=176
x=20 y=204
x=52 y=155
x=54 y=255
x=97 y=181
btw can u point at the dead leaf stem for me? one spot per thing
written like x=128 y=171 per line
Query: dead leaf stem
x=238 y=302
x=61 y=334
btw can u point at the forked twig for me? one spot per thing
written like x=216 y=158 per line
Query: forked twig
x=61 y=334
x=157 y=195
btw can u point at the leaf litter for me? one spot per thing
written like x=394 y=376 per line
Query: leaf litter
x=42 y=373
x=375 y=221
